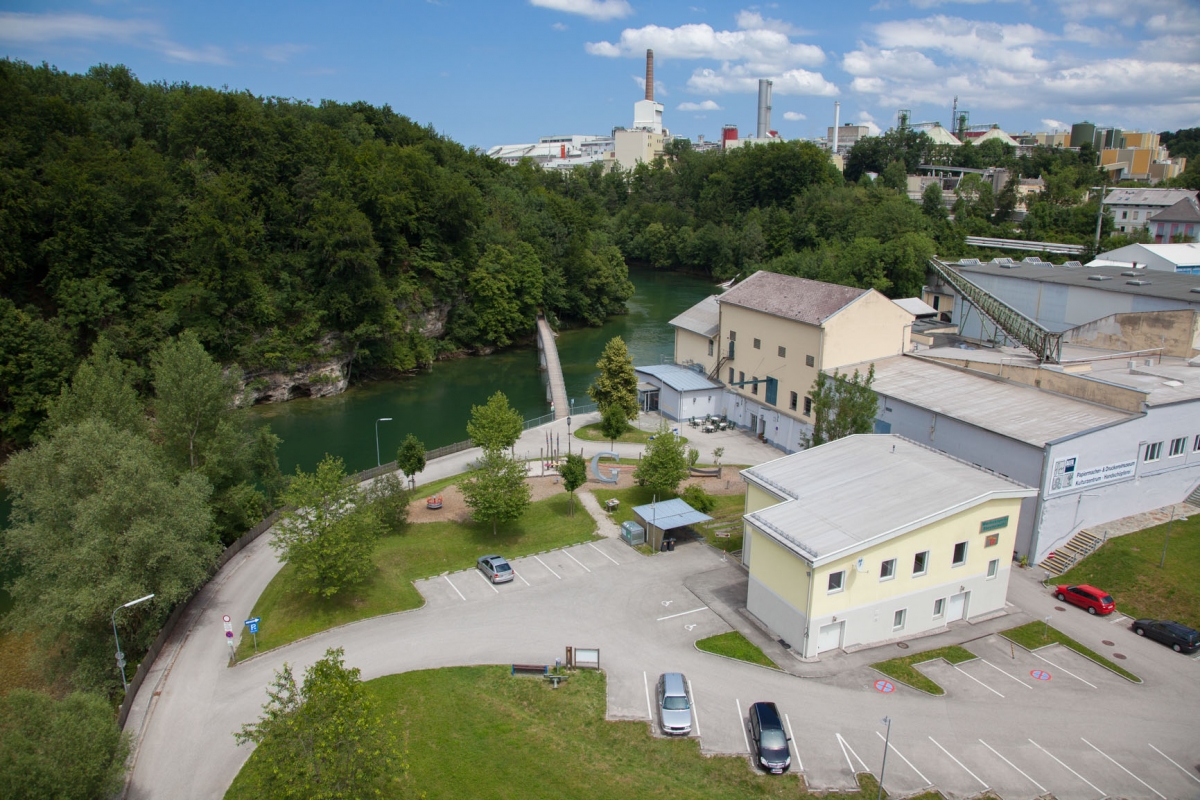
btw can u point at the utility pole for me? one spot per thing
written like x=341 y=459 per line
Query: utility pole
x=886 y=739
x=1167 y=539
x=1099 y=215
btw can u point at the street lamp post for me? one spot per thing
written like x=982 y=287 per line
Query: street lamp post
x=120 y=655
x=883 y=767
x=1166 y=540
x=381 y=419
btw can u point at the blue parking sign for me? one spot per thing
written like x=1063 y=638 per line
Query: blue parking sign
x=254 y=627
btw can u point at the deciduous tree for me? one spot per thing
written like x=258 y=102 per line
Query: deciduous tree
x=497 y=492
x=494 y=425
x=410 y=457
x=616 y=385
x=664 y=464
x=613 y=423
x=574 y=474
x=842 y=405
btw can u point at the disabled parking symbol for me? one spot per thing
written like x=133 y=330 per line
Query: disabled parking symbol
x=1040 y=674
x=887 y=687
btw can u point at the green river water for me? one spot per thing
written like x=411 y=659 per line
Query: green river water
x=435 y=405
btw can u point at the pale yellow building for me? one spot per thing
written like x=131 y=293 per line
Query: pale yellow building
x=768 y=337
x=875 y=538
x=633 y=147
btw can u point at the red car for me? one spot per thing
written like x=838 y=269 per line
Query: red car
x=1094 y=600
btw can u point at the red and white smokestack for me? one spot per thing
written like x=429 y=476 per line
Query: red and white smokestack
x=649 y=74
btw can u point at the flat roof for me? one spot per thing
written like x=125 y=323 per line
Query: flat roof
x=1024 y=413
x=681 y=379
x=1155 y=282
x=703 y=318
x=670 y=514
x=800 y=299
x=855 y=492
x=915 y=306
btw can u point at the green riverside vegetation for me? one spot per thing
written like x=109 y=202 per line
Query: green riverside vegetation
x=735 y=645
x=422 y=550
x=902 y=669
x=1037 y=634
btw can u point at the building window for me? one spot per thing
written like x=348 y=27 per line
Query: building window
x=939 y=608
x=837 y=581
x=898 y=619
x=1124 y=215
x=758 y=344
x=782 y=351
x=808 y=406
x=795 y=398
x=1196 y=444
x=960 y=554
x=754 y=386
x=731 y=374
x=809 y=361
x=710 y=347
x=741 y=378
x=920 y=563
x=887 y=570
x=936 y=301
x=733 y=336
x=993 y=568
x=1177 y=446
x=1153 y=452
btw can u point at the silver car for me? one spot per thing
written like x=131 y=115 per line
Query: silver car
x=674 y=704
x=495 y=569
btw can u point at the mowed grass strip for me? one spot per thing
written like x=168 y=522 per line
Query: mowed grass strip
x=591 y=433
x=903 y=668
x=478 y=732
x=1033 y=635
x=423 y=550
x=735 y=645
x=1127 y=568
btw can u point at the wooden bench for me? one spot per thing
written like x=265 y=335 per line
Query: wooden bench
x=530 y=669
x=611 y=504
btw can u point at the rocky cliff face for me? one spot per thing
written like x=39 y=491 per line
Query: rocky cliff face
x=323 y=378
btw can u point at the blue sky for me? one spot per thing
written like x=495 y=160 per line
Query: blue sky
x=489 y=73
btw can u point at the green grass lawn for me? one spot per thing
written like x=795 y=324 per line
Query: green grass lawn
x=1127 y=568
x=1037 y=634
x=734 y=645
x=425 y=549
x=728 y=510
x=478 y=732
x=902 y=669
x=592 y=433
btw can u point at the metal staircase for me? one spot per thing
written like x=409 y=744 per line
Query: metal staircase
x=1047 y=346
x=1063 y=558
x=715 y=374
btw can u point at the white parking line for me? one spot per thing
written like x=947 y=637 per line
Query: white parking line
x=892 y=747
x=742 y=724
x=576 y=560
x=606 y=555
x=552 y=572
x=842 y=744
x=972 y=677
x=455 y=588
x=1119 y=618
x=956 y=761
x=1056 y=666
x=695 y=712
x=485 y=580
x=799 y=763
x=1014 y=766
x=683 y=613
x=846 y=744
x=1173 y=761
x=1014 y=677
x=649 y=708
x=522 y=577
x=1113 y=760
x=1068 y=769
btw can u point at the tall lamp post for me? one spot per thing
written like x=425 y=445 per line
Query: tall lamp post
x=120 y=655
x=381 y=419
x=886 y=739
x=1166 y=540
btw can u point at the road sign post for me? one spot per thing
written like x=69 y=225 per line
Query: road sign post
x=252 y=624
x=229 y=637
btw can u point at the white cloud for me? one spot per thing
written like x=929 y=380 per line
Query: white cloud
x=768 y=50
x=1055 y=125
x=707 y=105
x=903 y=62
x=1009 y=47
x=742 y=80
x=282 y=53
x=38 y=28
x=191 y=55
x=660 y=88
x=793 y=116
x=866 y=119
x=932 y=3
x=559 y=26
x=1074 y=32
x=752 y=20
x=593 y=9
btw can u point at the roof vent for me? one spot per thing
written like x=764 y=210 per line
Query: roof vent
x=1002 y=260
x=1138 y=283
x=1099 y=277
x=1132 y=274
x=1072 y=264
x=1031 y=260
x=1172 y=383
x=969 y=262
x=1196 y=289
x=1009 y=265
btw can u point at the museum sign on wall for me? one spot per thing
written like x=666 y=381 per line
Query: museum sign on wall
x=1069 y=474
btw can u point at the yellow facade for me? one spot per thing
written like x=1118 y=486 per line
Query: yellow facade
x=869 y=328
x=778 y=569
x=692 y=348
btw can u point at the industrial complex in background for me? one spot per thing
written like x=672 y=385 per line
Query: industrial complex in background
x=1124 y=155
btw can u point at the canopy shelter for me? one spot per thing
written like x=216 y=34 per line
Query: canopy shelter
x=666 y=516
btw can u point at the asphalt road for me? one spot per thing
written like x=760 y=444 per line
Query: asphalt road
x=1083 y=733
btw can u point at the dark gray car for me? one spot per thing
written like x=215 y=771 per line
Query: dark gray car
x=768 y=739
x=674 y=704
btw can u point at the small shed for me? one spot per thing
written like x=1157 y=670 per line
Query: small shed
x=667 y=516
x=679 y=392
x=632 y=533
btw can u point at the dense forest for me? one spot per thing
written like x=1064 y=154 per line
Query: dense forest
x=282 y=233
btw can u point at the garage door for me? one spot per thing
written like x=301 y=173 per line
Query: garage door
x=830 y=636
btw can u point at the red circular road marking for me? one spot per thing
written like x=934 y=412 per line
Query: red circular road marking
x=1040 y=674
x=884 y=686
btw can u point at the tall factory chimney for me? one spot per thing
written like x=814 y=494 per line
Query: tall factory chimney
x=837 y=120
x=649 y=74
x=764 y=107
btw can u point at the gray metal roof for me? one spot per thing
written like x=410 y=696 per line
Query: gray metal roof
x=670 y=514
x=703 y=318
x=915 y=306
x=1141 y=196
x=1186 y=210
x=855 y=492
x=681 y=379
x=800 y=299
x=1158 y=283
x=1020 y=412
